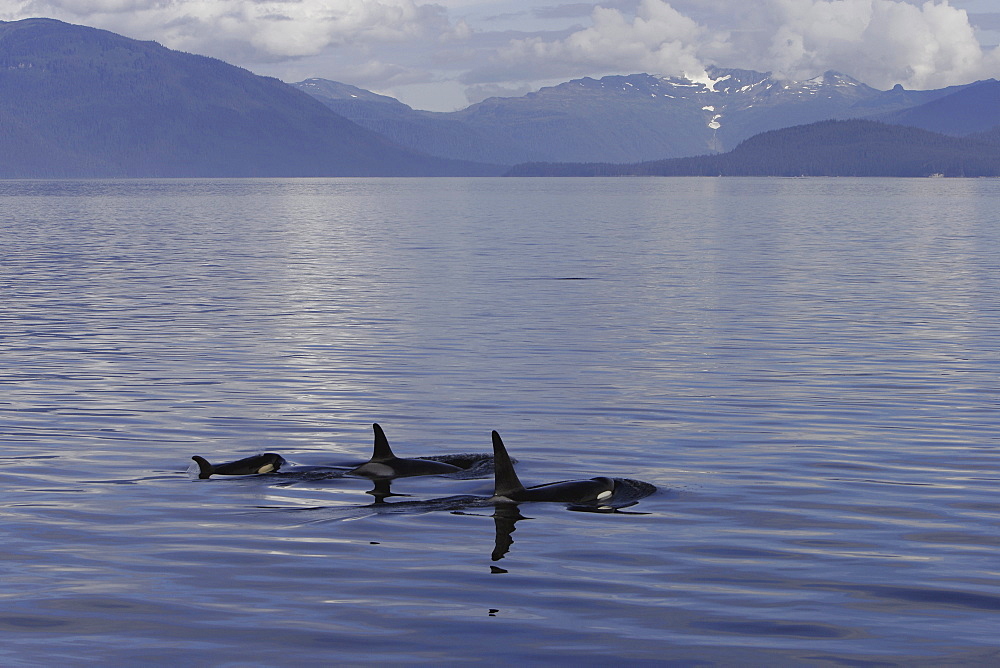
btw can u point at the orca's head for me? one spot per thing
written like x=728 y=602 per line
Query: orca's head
x=271 y=462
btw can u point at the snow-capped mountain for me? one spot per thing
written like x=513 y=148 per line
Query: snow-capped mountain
x=625 y=118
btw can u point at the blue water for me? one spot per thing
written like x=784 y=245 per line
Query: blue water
x=808 y=370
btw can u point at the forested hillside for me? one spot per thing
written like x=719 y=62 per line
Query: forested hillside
x=826 y=148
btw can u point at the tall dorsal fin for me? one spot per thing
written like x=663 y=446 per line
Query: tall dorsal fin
x=204 y=468
x=382 y=451
x=506 y=481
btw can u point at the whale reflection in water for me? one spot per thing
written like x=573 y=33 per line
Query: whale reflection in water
x=507 y=515
x=382 y=490
x=505 y=518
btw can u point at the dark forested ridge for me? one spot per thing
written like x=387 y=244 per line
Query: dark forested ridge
x=81 y=102
x=826 y=148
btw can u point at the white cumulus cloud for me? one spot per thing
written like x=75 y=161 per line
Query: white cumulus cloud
x=881 y=42
x=657 y=39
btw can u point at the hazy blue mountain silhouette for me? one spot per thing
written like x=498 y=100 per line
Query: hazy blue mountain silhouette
x=82 y=102
x=974 y=108
x=624 y=119
x=425 y=131
x=825 y=148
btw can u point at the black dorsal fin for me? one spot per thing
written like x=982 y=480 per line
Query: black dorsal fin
x=382 y=451
x=204 y=468
x=506 y=482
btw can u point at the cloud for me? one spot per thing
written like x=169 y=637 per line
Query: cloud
x=881 y=42
x=371 y=43
x=657 y=39
x=581 y=9
x=574 y=10
x=493 y=46
x=479 y=92
x=262 y=29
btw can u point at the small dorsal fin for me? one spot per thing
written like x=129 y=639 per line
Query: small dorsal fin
x=204 y=468
x=382 y=452
x=506 y=482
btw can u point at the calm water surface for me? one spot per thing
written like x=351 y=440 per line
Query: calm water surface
x=807 y=369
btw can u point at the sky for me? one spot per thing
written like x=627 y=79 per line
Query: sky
x=446 y=54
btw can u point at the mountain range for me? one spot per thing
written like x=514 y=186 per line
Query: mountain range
x=642 y=117
x=81 y=102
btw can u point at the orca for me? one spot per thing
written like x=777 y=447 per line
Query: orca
x=268 y=462
x=508 y=489
x=384 y=464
